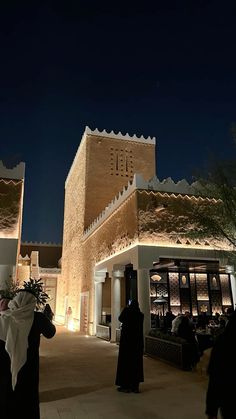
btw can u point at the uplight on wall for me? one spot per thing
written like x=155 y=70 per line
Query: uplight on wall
x=156 y=278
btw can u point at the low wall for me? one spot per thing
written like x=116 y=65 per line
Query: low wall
x=103 y=332
x=174 y=353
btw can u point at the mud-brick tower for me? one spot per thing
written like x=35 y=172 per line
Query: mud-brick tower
x=103 y=165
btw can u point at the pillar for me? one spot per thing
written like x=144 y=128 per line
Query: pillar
x=233 y=288
x=98 y=305
x=143 y=280
x=99 y=278
x=117 y=274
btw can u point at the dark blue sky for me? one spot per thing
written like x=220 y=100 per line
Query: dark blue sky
x=164 y=69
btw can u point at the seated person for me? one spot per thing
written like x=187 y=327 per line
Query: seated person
x=169 y=317
x=202 y=321
x=175 y=323
x=216 y=318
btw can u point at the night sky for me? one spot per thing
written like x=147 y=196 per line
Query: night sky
x=164 y=69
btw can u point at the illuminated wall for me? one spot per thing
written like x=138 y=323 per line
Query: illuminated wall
x=106 y=212
x=102 y=166
x=11 y=206
x=166 y=217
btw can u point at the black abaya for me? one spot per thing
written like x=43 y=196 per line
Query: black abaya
x=130 y=359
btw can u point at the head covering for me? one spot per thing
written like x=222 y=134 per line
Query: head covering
x=4 y=304
x=15 y=325
x=134 y=304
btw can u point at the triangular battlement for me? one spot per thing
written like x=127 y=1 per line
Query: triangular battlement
x=33 y=243
x=17 y=172
x=111 y=134
x=167 y=186
x=120 y=136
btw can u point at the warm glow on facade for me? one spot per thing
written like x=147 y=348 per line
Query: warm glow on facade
x=11 y=208
x=71 y=325
x=116 y=227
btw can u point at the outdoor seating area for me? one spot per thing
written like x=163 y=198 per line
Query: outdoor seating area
x=168 y=348
x=183 y=345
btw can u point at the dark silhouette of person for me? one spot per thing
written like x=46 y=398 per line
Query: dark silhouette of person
x=221 y=392
x=20 y=330
x=130 y=359
x=185 y=331
x=202 y=321
x=169 y=317
x=216 y=318
x=48 y=312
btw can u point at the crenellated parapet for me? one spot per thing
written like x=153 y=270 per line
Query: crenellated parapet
x=24 y=258
x=17 y=172
x=33 y=243
x=120 y=136
x=167 y=186
x=104 y=134
x=50 y=271
x=112 y=206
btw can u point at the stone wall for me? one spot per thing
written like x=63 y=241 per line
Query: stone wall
x=72 y=255
x=118 y=232
x=10 y=208
x=168 y=218
x=102 y=167
x=111 y=163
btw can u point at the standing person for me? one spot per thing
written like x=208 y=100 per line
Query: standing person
x=130 y=359
x=20 y=330
x=222 y=366
x=175 y=323
x=69 y=317
x=185 y=331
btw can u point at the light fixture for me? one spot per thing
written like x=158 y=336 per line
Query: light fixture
x=156 y=278
x=161 y=301
x=184 y=279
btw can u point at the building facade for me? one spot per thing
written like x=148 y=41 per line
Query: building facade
x=42 y=261
x=11 y=207
x=125 y=237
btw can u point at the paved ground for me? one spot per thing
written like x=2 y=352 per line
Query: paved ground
x=77 y=382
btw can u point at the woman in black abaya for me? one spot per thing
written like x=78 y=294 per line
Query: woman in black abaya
x=222 y=371
x=130 y=359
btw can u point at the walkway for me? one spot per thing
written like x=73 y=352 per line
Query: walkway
x=77 y=382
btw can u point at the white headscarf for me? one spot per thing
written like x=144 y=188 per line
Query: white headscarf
x=15 y=325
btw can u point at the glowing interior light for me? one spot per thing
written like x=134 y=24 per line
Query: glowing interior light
x=156 y=277
x=71 y=325
x=184 y=280
x=203 y=308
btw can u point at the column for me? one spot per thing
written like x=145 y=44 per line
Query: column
x=143 y=279
x=99 y=278
x=34 y=265
x=117 y=274
x=233 y=288
x=97 y=305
